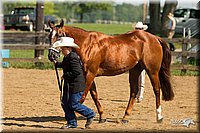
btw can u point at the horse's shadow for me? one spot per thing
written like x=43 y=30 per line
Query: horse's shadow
x=53 y=119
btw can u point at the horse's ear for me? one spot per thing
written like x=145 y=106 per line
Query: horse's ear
x=50 y=24
x=62 y=23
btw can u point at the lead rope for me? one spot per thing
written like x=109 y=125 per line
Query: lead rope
x=59 y=84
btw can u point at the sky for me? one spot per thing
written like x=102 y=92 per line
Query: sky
x=181 y=3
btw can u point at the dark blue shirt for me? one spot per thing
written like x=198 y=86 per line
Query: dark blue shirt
x=73 y=72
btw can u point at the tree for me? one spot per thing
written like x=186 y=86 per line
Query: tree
x=9 y=6
x=154 y=9
x=158 y=23
x=129 y=12
x=90 y=7
x=49 y=8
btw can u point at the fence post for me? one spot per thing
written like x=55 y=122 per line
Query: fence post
x=189 y=37
x=184 y=48
x=39 y=27
x=184 y=32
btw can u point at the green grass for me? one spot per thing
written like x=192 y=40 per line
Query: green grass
x=110 y=29
x=25 y=53
x=182 y=73
x=28 y=65
x=178 y=45
x=21 y=53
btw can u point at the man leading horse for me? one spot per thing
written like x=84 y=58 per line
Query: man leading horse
x=134 y=51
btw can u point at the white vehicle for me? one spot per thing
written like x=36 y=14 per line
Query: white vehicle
x=187 y=18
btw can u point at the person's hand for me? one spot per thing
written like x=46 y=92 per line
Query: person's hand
x=54 y=61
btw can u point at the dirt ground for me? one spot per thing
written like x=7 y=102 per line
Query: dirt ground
x=31 y=103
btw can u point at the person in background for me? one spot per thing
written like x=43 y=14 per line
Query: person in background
x=171 y=30
x=74 y=84
x=141 y=80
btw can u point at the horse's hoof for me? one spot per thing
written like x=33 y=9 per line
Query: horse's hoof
x=160 y=120
x=125 y=121
x=102 y=120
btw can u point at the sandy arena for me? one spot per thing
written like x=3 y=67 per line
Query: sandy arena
x=31 y=103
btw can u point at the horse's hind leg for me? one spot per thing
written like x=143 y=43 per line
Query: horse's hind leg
x=94 y=95
x=133 y=80
x=156 y=88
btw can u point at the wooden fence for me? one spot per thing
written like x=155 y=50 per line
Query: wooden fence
x=24 y=37
x=25 y=41
x=184 y=53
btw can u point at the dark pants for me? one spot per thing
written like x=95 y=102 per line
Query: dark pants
x=71 y=104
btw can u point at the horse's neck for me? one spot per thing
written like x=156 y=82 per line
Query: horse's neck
x=79 y=35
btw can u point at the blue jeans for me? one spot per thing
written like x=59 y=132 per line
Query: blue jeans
x=72 y=104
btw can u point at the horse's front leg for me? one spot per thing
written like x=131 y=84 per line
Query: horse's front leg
x=89 y=80
x=90 y=85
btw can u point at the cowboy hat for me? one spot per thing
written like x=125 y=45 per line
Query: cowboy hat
x=65 y=42
x=141 y=26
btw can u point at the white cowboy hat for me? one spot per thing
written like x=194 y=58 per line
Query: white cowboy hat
x=140 y=25
x=65 y=42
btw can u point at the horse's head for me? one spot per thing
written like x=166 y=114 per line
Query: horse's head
x=56 y=32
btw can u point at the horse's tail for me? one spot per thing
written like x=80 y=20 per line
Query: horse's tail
x=164 y=73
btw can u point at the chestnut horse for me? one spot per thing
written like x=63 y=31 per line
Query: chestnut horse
x=104 y=55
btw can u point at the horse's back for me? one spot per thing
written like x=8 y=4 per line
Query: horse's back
x=117 y=54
